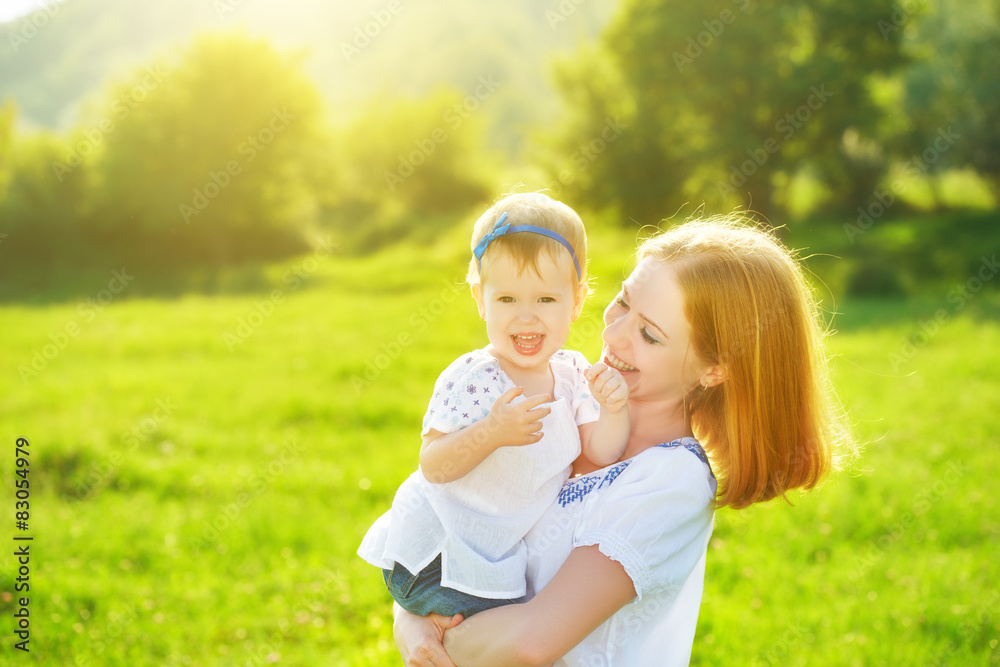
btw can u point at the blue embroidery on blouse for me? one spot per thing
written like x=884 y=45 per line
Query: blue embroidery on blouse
x=579 y=488
x=693 y=448
x=613 y=474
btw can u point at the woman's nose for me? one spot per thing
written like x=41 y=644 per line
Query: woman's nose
x=615 y=323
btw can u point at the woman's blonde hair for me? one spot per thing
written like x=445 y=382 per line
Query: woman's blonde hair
x=774 y=423
x=540 y=210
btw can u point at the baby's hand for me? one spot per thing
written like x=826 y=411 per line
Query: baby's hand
x=608 y=386
x=516 y=425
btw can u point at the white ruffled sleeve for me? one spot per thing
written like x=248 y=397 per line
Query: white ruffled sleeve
x=464 y=393
x=655 y=518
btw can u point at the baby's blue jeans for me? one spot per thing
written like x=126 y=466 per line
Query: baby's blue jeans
x=423 y=594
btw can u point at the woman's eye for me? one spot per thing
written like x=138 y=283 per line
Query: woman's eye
x=645 y=335
x=620 y=300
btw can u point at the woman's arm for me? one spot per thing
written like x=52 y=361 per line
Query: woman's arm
x=586 y=591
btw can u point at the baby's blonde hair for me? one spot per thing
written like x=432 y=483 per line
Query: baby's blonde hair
x=540 y=210
x=774 y=423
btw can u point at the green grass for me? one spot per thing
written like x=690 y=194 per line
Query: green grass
x=200 y=505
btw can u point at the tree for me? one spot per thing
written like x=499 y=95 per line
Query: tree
x=725 y=99
x=951 y=93
x=39 y=216
x=7 y=115
x=408 y=165
x=214 y=156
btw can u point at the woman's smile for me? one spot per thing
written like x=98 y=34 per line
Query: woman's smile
x=612 y=360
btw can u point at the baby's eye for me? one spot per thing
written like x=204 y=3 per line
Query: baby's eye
x=547 y=299
x=506 y=299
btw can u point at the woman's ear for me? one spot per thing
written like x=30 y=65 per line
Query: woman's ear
x=714 y=375
x=477 y=294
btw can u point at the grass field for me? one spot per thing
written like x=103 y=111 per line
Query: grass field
x=203 y=468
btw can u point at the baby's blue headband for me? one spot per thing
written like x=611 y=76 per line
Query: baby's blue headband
x=501 y=229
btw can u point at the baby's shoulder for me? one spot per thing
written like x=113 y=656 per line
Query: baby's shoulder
x=476 y=366
x=570 y=360
x=569 y=366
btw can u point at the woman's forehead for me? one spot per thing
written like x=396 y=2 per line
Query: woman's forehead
x=652 y=287
x=649 y=276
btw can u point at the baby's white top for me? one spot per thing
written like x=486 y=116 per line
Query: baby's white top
x=478 y=522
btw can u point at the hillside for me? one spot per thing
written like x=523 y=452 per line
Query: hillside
x=354 y=49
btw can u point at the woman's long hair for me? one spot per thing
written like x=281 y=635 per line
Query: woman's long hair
x=774 y=423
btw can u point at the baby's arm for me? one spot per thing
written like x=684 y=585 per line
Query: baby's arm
x=445 y=457
x=604 y=441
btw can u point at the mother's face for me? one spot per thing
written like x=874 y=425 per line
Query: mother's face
x=647 y=336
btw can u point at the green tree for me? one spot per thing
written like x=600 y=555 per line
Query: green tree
x=213 y=156
x=39 y=216
x=409 y=166
x=724 y=101
x=7 y=115
x=951 y=93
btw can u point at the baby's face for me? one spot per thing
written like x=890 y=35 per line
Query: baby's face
x=528 y=316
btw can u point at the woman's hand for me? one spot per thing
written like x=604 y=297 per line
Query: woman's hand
x=420 y=639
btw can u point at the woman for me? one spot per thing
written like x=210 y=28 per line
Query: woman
x=719 y=338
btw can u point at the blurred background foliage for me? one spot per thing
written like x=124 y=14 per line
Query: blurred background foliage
x=292 y=186
x=199 y=136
